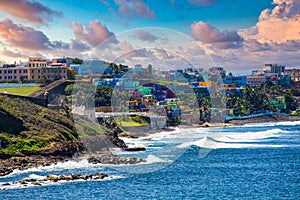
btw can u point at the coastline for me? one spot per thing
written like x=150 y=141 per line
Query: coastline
x=265 y=119
x=24 y=162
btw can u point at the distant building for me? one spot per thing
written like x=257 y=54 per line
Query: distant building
x=294 y=74
x=15 y=74
x=137 y=69
x=237 y=81
x=267 y=68
x=66 y=62
x=37 y=62
x=255 y=80
x=278 y=69
x=257 y=72
x=278 y=102
x=217 y=70
x=92 y=67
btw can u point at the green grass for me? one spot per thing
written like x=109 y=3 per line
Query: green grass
x=22 y=91
x=133 y=121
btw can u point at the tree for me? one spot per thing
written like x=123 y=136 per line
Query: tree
x=291 y=103
x=103 y=96
x=150 y=68
x=77 y=61
x=83 y=94
x=71 y=74
x=22 y=78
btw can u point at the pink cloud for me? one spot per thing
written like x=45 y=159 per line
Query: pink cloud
x=206 y=33
x=280 y=24
x=93 y=35
x=163 y=54
x=33 y=12
x=21 y=36
x=135 y=8
x=12 y=54
x=255 y=46
x=146 y=36
x=139 y=53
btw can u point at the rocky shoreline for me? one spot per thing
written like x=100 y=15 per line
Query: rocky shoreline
x=7 y=166
x=53 y=179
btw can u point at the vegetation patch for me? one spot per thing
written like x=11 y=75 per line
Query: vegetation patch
x=22 y=91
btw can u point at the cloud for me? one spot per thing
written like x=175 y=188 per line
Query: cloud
x=79 y=46
x=22 y=36
x=33 y=12
x=145 y=35
x=11 y=54
x=255 y=46
x=93 y=35
x=134 y=9
x=140 y=53
x=163 y=54
x=126 y=46
x=280 y=24
x=288 y=46
x=206 y=33
x=105 y=2
x=35 y=42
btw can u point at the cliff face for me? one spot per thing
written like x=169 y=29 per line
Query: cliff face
x=29 y=129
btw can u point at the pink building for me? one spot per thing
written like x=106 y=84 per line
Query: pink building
x=14 y=74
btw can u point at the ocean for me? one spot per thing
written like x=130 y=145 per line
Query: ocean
x=257 y=161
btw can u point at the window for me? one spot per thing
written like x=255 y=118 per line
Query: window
x=15 y=71
x=32 y=77
x=20 y=71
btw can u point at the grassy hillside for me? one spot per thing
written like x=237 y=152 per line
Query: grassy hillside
x=26 y=127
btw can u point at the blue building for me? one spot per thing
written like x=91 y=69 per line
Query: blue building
x=238 y=81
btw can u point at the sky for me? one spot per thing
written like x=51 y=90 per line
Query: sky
x=239 y=35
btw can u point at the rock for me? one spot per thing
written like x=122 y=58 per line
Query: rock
x=4 y=172
x=87 y=176
x=75 y=176
x=135 y=149
x=99 y=176
x=30 y=180
x=51 y=177
x=22 y=182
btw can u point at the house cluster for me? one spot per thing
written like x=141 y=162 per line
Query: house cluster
x=35 y=70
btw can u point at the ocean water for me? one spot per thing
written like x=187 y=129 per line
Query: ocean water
x=257 y=161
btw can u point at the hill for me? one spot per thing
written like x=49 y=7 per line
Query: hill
x=29 y=129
